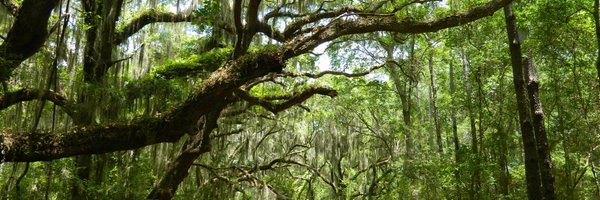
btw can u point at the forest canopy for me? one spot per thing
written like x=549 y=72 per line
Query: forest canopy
x=299 y=99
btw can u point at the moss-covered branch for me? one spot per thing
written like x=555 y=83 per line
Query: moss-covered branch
x=43 y=145
x=148 y=17
x=22 y=95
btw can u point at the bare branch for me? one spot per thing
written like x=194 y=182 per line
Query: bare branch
x=402 y=6
x=293 y=29
x=43 y=145
x=335 y=73
x=372 y=23
x=272 y=77
x=292 y=101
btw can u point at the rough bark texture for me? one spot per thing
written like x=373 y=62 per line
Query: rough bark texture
x=178 y=169
x=381 y=22
x=27 y=35
x=102 y=17
x=42 y=145
x=532 y=171
x=545 y=161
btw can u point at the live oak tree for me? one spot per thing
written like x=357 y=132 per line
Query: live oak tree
x=242 y=52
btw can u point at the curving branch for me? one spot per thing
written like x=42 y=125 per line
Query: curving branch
x=272 y=77
x=22 y=95
x=294 y=28
x=334 y=73
x=43 y=145
x=291 y=100
x=26 y=36
x=219 y=87
x=148 y=17
x=366 y=23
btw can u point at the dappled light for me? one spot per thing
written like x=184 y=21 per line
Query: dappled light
x=299 y=99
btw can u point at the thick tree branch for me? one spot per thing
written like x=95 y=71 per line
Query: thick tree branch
x=27 y=35
x=43 y=145
x=293 y=100
x=293 y=28
x=366 y=23
x=253 y=13
x=178 y=169
x=148 y=17
x=12 y=98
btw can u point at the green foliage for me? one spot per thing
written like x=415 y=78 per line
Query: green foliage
x=207 y=14
x=194 y=65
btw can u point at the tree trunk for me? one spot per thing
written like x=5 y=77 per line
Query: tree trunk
x=178 y=169
x=438 y=131
x=545 y=160
x=100 y=37
x=532 y=171
x=475 y=178
x=455 y=134
x=596 y=14
x=502 y=138
x=83 y=165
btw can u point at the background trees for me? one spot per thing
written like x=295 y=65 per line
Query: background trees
x=296 y=99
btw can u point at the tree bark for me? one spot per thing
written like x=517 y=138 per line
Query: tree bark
x=40 y=145
x=545 y=160
x=27 y=35
x=475 y=178
x=455 y=134
x=434 y=99
x=101 y=17
x=596 y=14
x=178 y=169
x=532 y=171
x=170 y=127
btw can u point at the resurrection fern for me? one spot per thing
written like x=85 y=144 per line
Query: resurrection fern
x=194 y=65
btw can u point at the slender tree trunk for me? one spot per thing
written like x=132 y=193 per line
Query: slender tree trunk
x=83 y=167
x=475 y=178
x=10 y=182
x=595 y=179
x=545 y=160
x=48 y=187
x=455 y=134
x=438 y=131
x=532 y=171
x=480 y=104
x=502 y=138
x=596 y=14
